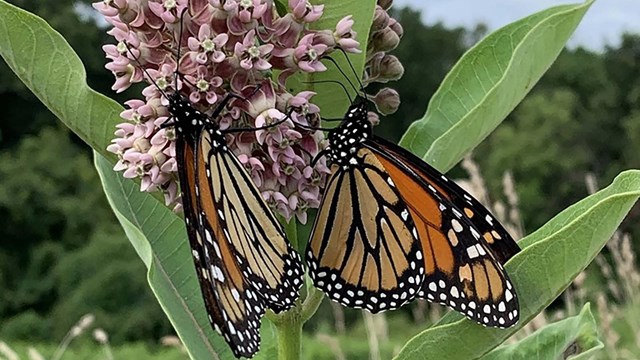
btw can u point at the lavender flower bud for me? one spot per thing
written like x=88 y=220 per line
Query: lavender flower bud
x=384 y=68
x=396 y=27
x=385 y=4
x=373 y=118
x=384 y=40
x=387 y=101
x=380 y=19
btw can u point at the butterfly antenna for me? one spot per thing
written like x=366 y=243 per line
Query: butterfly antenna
x=346 y=57
x=342 y=72
x=331 y=82
x=135 y=58
x=175 y=75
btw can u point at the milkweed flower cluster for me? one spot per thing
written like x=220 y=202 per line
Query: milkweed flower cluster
x=226 y=46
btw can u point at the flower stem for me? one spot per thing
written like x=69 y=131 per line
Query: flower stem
x=289 y=328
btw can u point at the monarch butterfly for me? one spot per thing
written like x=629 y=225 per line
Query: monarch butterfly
x=390 y=228
x=243 y=260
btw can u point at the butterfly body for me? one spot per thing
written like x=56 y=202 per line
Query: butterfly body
x=409 y=233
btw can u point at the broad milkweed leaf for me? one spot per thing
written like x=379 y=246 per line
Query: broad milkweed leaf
x=575 y=337
x=488 y=82
x=48 y=66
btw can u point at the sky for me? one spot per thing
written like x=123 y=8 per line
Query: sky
x=602 y=25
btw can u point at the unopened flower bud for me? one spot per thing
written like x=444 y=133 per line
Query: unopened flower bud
x=142 y=145
x=384 y=68
x=385 y=4
x=387 y=101
x=129 y=12
x=384 y=40
x=396 y=27
x=380 y=19
x=326 y=37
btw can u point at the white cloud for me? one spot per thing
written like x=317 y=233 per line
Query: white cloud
x=603 y=24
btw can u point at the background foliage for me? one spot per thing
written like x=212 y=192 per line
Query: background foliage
x=56 y=227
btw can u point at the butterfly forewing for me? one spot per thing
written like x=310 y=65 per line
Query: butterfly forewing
x=493 y=233
x=233 y=308
x=461 y=270
x=243 y=261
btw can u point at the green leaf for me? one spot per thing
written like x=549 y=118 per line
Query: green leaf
x=281 y=7
x=49 y=67
x=551 y=258
x=576 y=336
x=331 y=99
x=159 y=237
x=488 y=82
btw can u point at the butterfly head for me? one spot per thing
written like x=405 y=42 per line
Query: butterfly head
x=186 y=118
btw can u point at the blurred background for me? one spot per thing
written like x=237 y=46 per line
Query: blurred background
x=69 y=275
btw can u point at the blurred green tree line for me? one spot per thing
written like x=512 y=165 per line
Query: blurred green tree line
x=63 y=254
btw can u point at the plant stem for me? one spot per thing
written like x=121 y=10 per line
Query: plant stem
x=289 y=327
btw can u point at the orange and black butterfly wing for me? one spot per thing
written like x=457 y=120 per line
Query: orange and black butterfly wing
x=234 y=309
x=363 y=250
x=256 y=239
x=496 y=236
x=461 y=270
